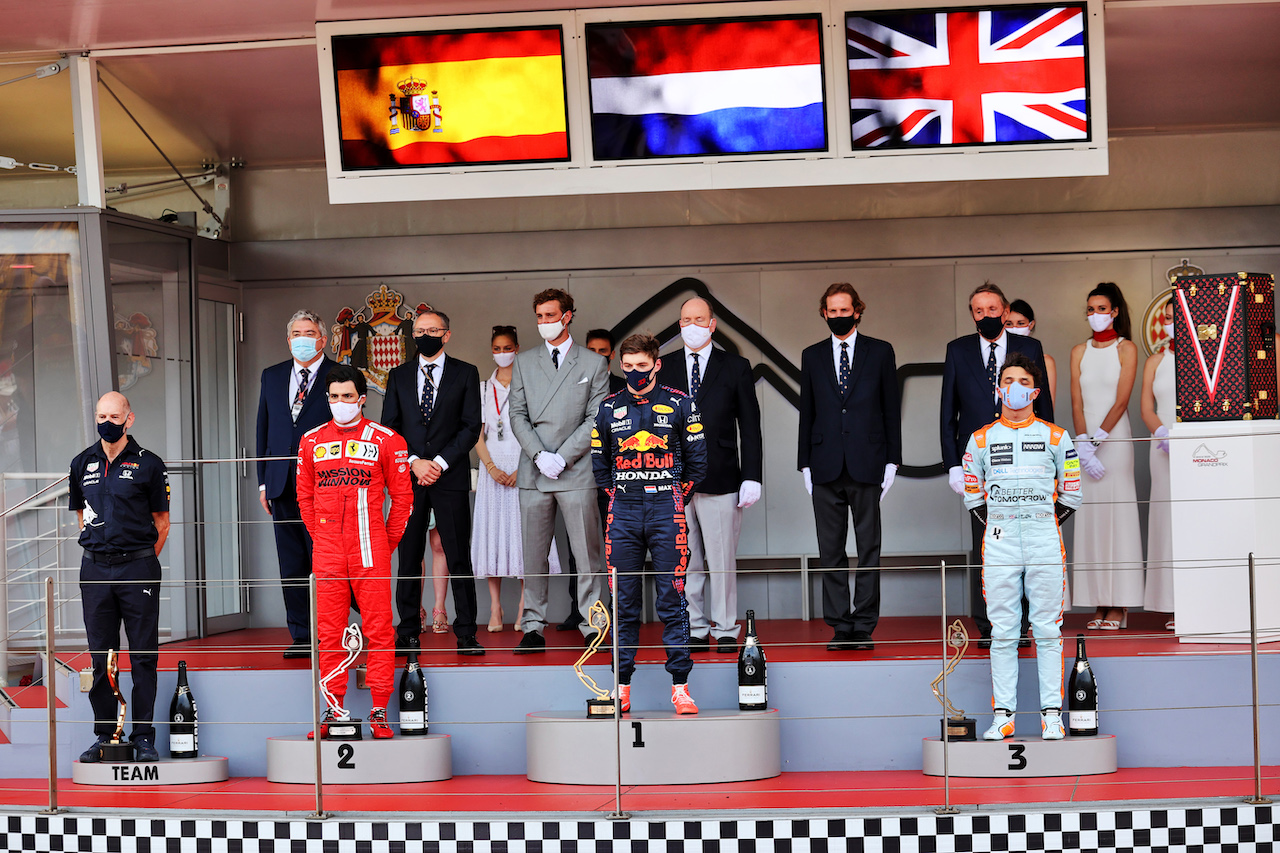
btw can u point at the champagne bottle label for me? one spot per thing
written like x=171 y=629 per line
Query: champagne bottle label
x=412 y=719
x=1083 y=719
x=182 y=743
x=751 y=694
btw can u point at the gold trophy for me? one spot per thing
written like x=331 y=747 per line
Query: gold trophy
x=602 y=704
x=119 y=749
x=955 y=726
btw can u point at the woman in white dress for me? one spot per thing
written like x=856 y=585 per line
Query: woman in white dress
x=496 y=548
x=1159 y=405
x=1108 y=546
x=1022 y=321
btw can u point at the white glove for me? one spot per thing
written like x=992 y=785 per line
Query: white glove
x=1100 y=435
x=1093 y=467
x=808 y=480
x=955 y=479
x=748 y=493
x=890 y=471
x=548 y=465
x=1084 y=447
x=560 y=463
x=1162 y=436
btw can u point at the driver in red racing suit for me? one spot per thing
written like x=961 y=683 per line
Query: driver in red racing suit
x=344 y=466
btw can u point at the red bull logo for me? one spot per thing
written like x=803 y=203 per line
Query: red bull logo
x=642 y=441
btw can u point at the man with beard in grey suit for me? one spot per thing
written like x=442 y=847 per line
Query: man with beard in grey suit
x=556 y=390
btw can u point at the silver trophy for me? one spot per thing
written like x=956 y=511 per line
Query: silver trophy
x=343 y=726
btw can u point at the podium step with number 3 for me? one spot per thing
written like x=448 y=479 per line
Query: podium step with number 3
x=1023 y=757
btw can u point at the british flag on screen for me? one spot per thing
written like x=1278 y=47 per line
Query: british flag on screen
x=1013 y=74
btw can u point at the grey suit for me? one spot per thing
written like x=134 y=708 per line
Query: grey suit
x=555 y=410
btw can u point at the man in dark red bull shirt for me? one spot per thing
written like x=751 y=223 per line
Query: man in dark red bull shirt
x=648 y=451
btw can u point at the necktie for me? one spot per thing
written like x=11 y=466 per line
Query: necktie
x=844 y=367
x=428 y=392
x=991 y=368
x=555 y=359
x=695 y=381
x=301 y=396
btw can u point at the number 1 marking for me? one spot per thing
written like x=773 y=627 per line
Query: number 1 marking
x=638 y=743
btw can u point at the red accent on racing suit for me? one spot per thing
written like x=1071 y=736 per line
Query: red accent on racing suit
x=342 y=472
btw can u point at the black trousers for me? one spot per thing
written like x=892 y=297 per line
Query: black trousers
x=602 y=500
x=293 y=550
x=977 y=598
x=832 y=503
x=453 y=521
x=122 y=594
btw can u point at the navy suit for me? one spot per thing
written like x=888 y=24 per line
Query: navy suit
x=278 y=435
x=846 y=440
x=968 y=404
x=450 y=433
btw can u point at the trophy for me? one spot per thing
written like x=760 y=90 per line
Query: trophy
x=955 y=726
x=602 y=704
x=343 y=726
x=119 y=749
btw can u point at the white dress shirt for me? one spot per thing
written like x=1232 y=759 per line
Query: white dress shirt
x=563 y=349
x=1002 y=349
x=295 y=377
x=835 y=351
x=704 y=355
x=423 y=361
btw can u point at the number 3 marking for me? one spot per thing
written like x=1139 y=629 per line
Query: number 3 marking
x=1018 y=761
x=345 y=752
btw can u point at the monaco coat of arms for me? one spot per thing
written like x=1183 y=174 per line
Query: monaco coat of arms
x=377 y=337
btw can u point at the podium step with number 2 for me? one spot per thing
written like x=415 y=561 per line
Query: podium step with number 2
x=360 y=762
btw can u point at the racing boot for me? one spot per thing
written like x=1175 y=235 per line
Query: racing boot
x=378 y=724
x=682 y=700
x=1001 y=725
x=1051 y=724
x=623 y=695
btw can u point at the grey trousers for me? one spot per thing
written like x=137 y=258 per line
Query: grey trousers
x=537 y=527
x=711 y=581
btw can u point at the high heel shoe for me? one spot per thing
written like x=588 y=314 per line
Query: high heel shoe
x=496 y=623
x=439 y=621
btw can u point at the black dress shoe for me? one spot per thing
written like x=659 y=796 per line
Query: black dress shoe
x=840 y=642
x=404 y=645
x=861 y=642
x=1024 y=642
x=589 y=639
x=145 y=749
x=727 y=646
x=699 y=644
x=571 y=622
x=298 y=650
x=984 y=640
x=530 y=643
x=468 y=646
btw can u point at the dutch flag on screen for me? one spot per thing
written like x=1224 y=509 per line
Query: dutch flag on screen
x=698 y=89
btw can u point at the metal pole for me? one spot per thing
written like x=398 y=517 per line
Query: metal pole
x=315 y=708
x=4 y=586
x=51 y=697
x=618 y=813
x=1257 y=799
x=947 y=808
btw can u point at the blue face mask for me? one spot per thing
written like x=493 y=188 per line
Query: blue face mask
x=1016 y=396
x=637 y=379
x=303 y=349
x=110 y=432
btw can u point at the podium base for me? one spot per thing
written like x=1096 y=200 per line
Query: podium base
x=115 y=753
x=1023 y=757
x=360 y=762
x=175 y=771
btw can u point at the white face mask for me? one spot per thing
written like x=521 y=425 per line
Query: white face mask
x=551 y=331
x=695 y=336
x=1168 y=330
x=344 y=413
x=1100 y=322
x=504 y=359
x=1018 y=330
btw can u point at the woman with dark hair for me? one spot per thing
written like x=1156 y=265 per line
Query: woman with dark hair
x=496 y=547
x=1022 y=321
x=1159 y=408
x=1108 y=571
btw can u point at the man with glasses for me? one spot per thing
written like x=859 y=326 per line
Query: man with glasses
x=291 y=402
x=434 y=402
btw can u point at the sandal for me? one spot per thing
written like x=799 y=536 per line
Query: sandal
x=1096 y=622
x=1116 y=624
x=439 y=621
x=1169 y=626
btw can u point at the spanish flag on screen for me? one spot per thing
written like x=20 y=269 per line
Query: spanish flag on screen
x=463 y=97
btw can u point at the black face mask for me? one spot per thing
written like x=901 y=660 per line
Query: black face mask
x=110 y=432
x=428 y=345
x=841 y=326
x=990 y=327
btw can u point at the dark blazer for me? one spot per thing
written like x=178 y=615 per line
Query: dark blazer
x=616 y=384
x=727 y=402
x=278 y=435
x=455 y=417
x=969 y=402
x=860 y=432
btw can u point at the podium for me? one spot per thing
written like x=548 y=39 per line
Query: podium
x=1226 y=504
x=1023 y=757
x=166 y=771
x=398 y=760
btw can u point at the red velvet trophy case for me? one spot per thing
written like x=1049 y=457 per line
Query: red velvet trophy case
x=1225 y=333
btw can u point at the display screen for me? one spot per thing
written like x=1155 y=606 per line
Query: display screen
x=706 y=88
x=1005 y=75
x=442 y=98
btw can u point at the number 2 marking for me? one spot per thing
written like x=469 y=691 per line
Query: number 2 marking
x=638 y=743
x=1018 y=760
x=345 y=752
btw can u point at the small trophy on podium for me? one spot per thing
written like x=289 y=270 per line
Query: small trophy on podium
x=119 y=749
x=343 y=726
x=955 y=726
x=602 y=704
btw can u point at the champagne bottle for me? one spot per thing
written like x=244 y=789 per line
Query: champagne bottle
x=413 y=698
x=184 y=735
x=753 y=686
x=1082 y=695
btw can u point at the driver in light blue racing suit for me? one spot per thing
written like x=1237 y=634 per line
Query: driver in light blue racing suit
x=1022 y=480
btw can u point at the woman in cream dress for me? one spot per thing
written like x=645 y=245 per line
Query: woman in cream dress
x=1159 y=405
